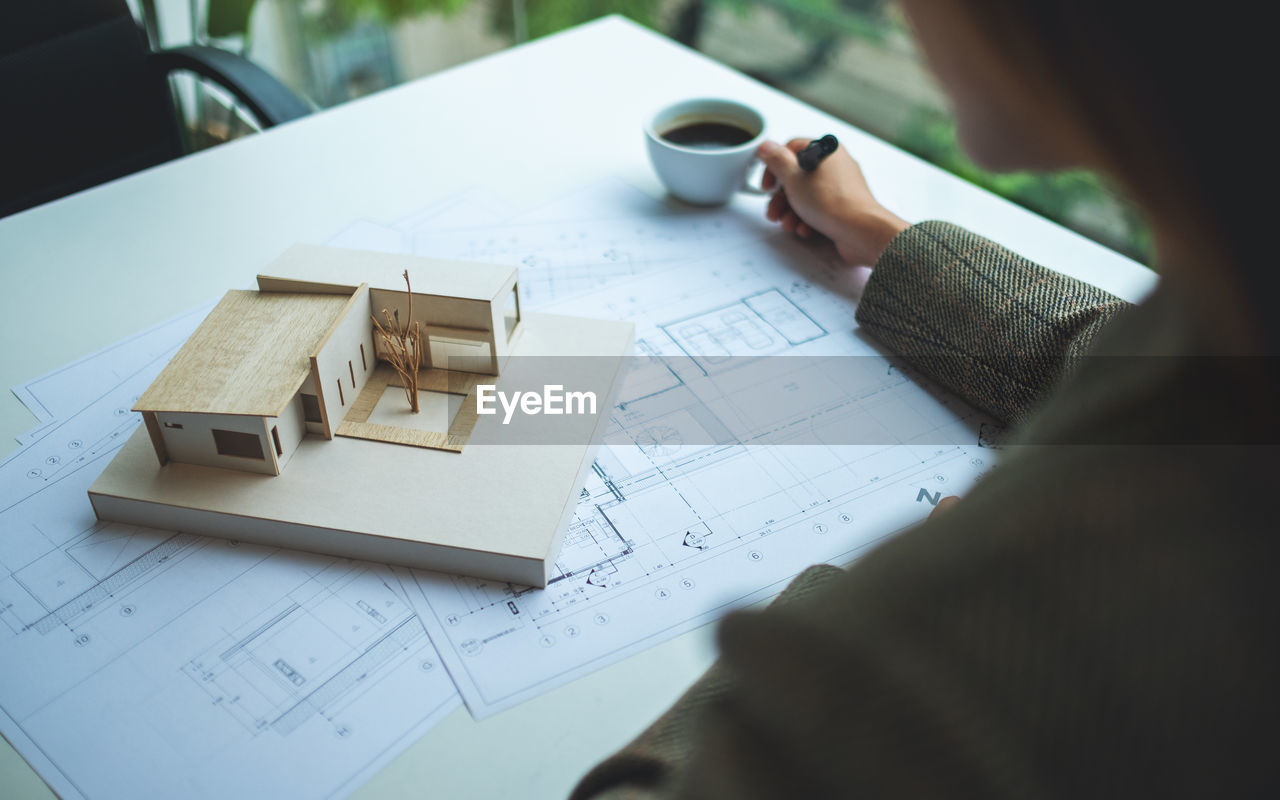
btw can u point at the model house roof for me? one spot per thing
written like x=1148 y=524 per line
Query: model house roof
x=250 y=355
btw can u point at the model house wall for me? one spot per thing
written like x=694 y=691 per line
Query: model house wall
x=458 y=349
x=506 y=316
x=290 y=430
x=346 y=357
x=309 y=402
x=464 y=311
x=219 y=440
x=459 y=330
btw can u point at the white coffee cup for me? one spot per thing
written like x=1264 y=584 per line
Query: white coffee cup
x=706 y=173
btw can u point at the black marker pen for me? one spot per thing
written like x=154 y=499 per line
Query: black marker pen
x=811 y=156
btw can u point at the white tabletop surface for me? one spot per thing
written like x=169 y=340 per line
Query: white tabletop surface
x=529 y=123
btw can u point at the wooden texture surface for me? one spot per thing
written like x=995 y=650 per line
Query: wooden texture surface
x=248 y=357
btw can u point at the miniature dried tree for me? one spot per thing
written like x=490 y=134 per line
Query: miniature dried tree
x=403 y=346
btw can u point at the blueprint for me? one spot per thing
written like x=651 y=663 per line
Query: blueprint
x=602 y=233
x=139 y=662
x=143 y=663
x=683 y=518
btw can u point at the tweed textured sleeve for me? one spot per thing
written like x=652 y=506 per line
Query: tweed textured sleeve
x=986 y=323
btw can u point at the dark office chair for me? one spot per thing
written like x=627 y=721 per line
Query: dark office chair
x=83 y=100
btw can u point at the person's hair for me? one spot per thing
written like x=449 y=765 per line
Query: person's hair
x=1176 y=97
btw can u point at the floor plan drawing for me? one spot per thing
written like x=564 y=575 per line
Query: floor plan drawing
x=586 y=239
x=559 y=261
x=295 y=659
x=757 y=434
x=123 y=631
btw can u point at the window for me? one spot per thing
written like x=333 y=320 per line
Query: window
x=275 y=437
x=177 y=425
x=240 y=445
x=311 y=408
x=363 y=363
x=352 y=370
x=342 y=401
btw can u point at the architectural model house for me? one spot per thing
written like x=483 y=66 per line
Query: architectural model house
x=267 y=367
x=281 y=422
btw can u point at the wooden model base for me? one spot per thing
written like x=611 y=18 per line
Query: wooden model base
x=494 y=511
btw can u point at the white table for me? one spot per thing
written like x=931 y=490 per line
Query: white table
x=529 y=123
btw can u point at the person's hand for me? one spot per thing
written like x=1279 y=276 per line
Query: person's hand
x=833 y=200
x=944 y=505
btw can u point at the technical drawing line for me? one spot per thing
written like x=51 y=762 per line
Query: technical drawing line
x=81 y=462
x=130 y=572
x=394 y=641
x=626 y=551
x=240 y=645
x=6 y=720
x=30 y=392
x=755 y=519
x=782 y=524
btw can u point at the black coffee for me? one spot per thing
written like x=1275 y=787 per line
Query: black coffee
x=708 y=135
